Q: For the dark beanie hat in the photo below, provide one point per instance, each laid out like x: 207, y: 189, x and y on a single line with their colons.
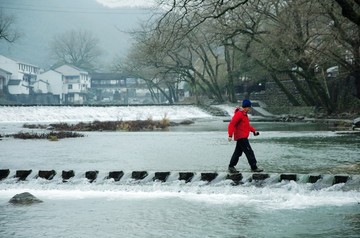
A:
x: 246, y: 103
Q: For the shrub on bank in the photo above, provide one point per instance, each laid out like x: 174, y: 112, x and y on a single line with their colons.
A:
x: 53, y: 136
x: 65, y: 130
x: 138, y: 125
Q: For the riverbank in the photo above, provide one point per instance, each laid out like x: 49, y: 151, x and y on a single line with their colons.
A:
x: 336, y: 121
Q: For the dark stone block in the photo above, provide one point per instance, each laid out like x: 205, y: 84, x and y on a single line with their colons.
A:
x: 288, y: 177
x: 162, y: 176
x: 22, y: 174
x: 116, y: 175
x: 67, y: 174
x: 236, y: 178
x: 47, y: 174
x: 208, y: 176
x: 314, y: 178
x: 258, y: 177
x: 138, y: 175
x: 4, y: 173
x: 187, y: 176
x: 340, y: 179
x: 91, y: 175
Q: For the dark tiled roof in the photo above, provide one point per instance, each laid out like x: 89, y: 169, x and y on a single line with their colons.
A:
x: 107, y: 76
x: 14, y: 82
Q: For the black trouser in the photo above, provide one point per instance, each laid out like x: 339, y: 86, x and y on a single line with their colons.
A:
x: 243, y: 145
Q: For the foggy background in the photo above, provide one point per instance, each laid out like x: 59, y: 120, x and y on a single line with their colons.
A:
x: 38, y: 21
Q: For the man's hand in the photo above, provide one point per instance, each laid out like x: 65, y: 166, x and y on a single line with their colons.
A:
x: 230, y: 138
x: 256, y: 133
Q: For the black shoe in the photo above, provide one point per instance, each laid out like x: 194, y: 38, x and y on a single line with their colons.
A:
x: 257, y: 170
x: 232, y: 170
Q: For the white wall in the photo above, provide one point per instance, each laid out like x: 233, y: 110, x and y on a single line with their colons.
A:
x: 18, y: 89
x: 4, y: 78
x: 55, y: 82
x: 41, y: 86
x: 10, y: 66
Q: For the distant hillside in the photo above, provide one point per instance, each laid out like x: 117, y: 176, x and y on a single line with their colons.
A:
x: 39, y: 20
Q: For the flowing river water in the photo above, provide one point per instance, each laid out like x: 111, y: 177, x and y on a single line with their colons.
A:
x: 147, y: 208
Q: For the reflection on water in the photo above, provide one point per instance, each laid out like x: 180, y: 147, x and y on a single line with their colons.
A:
x: 290, y: 126
x: 338, y: 153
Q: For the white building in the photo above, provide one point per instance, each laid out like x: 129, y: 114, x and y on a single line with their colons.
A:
x: 55, y: 81
x: 23, y: 75
x: 5, y: 77
x: 76, y: 84
x: 23, y: 82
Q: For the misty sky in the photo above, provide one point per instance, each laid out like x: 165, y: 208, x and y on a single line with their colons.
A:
x: 38, y: 21
x: 127, y: 3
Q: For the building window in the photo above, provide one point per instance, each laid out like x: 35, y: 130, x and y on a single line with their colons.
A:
x: 70, y: 86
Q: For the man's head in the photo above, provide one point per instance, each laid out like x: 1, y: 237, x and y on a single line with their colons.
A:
x: 246, y: 103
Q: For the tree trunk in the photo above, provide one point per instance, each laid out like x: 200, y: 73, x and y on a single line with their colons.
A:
x: 307, y: 98
x: 317, y: 89
x: 289, y: 95
x: 230, y: 75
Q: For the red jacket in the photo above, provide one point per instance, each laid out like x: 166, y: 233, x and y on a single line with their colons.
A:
x: 239, y: 125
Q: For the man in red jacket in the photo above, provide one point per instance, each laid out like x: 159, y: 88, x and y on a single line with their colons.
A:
x: 240, y: 128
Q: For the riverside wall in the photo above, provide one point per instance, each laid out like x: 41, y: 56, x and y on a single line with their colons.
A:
x: 275, y: 101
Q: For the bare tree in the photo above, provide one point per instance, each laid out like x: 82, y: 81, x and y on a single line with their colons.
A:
x: 191, y: 14
x: 7, y: 32
x: 304, y: 39
x: 346, y: 32
x: 138, y: 64
x: 194, y: 59
x: 350, y: 10
x: 274, y: 39
x: 234, y: 31
x: 76, y: 47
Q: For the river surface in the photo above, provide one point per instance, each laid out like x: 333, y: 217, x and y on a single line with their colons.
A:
x: 128, y: 208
